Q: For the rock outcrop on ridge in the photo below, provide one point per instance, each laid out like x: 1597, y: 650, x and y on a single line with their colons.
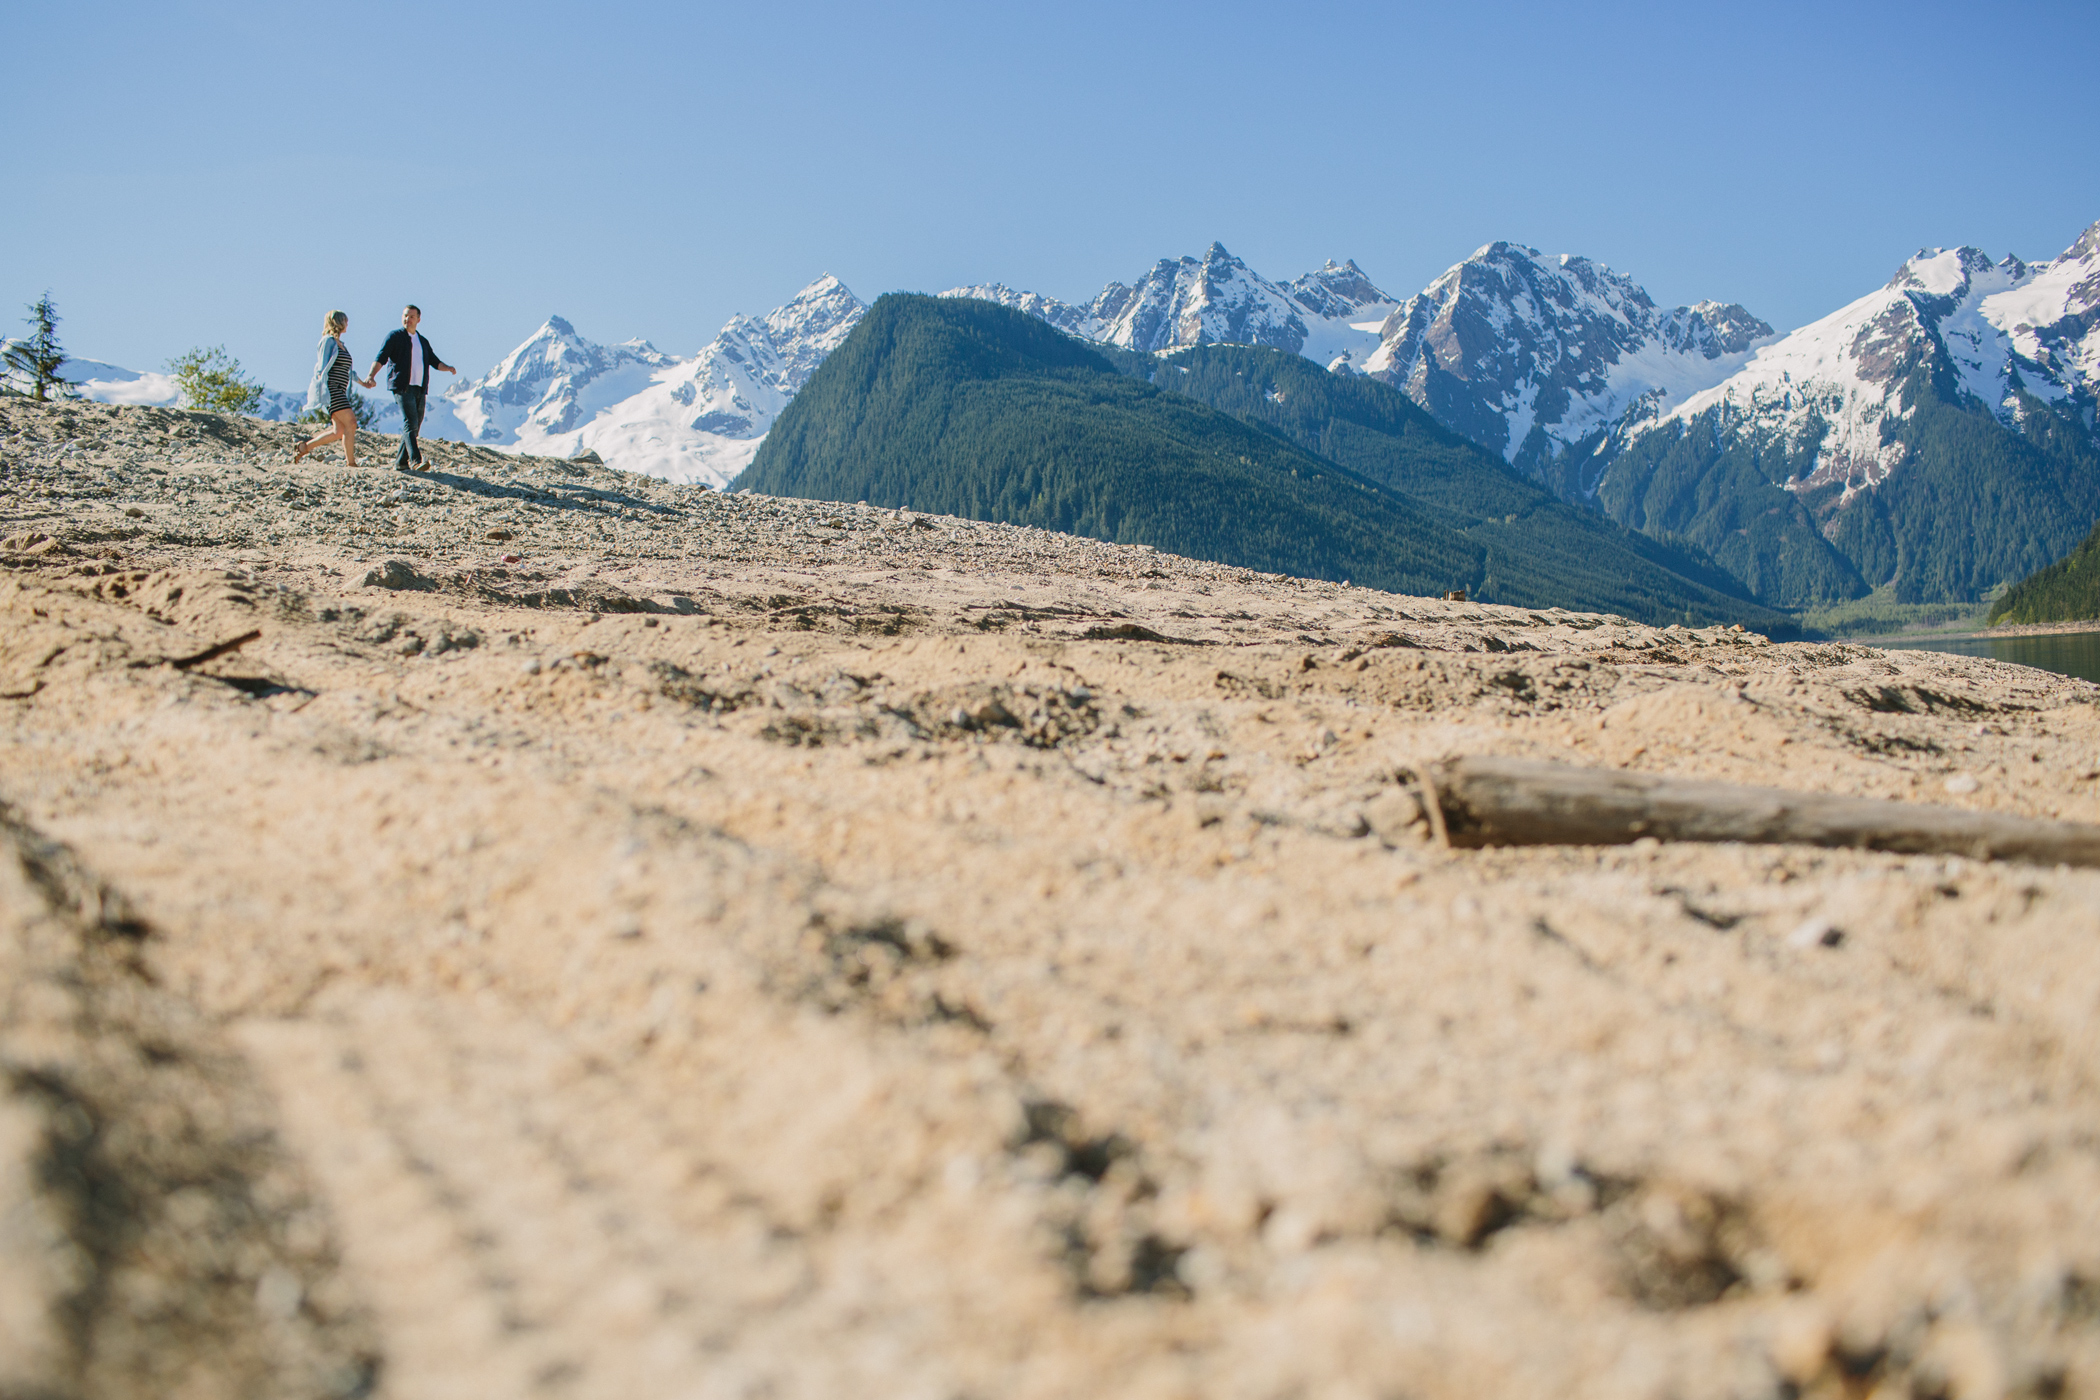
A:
x: 529, y: 929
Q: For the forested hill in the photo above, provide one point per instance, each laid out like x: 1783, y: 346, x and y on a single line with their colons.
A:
x: 2066, y: 591
x: 1971, y: 503
x: 1536, y: 546
x: 963, y: 407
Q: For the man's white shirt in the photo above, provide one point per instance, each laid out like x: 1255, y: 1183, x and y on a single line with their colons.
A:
x: 415, y: 360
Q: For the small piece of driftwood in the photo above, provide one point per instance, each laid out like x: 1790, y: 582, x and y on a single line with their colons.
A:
x: 1488, y: 801
x: 214, y: 651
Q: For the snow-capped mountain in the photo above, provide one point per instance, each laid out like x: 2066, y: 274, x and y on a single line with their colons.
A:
x: 2000, y: 330
x: 1345, y: 315
x: 697, y: 419
x: 1934, y: 438
x: 1196, y: 301
x: 553, y: 383
x: 1331, y: 315
x: 1525, y: 354
x: 1529, y: 355
x: 102, y: 382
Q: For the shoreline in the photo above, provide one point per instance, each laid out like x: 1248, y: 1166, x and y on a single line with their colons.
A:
x: 2023, y: 629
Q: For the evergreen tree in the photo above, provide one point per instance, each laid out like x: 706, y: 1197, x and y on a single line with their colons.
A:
x: 210, y: 380
x: 34, y: 362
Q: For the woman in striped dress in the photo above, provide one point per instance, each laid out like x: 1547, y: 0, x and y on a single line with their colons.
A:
x: 331, y: 389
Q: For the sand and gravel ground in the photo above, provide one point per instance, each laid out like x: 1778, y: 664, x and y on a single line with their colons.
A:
x: 602, y: 938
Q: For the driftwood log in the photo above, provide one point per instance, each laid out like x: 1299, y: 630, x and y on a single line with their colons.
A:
x: 1488, y: 801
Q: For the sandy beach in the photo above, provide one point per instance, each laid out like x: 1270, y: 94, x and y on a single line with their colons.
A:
x: 526, y: 929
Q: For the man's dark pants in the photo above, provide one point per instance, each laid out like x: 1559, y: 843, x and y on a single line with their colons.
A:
x: 411, y: 401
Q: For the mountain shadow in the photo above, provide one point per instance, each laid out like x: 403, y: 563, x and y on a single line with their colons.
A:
x: 967, y: 408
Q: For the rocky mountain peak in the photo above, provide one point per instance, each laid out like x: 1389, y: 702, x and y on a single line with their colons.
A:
x: 1330, y: 315
x: 811, y: 325
x: 1191, y: 301
x: 1529, y: 355
x: 686, y: 419
x: 1336, y: 290
x: 1713, y: 329
x: 1942, y: 271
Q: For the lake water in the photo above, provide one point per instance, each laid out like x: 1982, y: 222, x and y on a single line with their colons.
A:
x: 2066, y: 653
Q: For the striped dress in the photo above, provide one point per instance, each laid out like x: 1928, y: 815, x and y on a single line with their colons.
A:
x: 339, y: 380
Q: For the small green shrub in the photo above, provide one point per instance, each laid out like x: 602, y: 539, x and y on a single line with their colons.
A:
x: 210, y: 380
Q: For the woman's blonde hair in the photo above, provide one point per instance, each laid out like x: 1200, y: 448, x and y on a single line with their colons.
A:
x: 333, y: 323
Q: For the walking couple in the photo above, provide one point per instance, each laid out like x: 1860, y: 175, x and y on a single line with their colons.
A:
x: 411, y: 359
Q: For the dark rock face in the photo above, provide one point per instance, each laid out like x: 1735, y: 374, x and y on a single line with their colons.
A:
x: 1886, y: 341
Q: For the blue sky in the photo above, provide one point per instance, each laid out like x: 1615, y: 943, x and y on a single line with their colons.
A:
x: 224, y: 173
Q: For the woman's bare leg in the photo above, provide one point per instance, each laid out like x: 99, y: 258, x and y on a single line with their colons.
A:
x: 346, y: 428
x: 332, y: 435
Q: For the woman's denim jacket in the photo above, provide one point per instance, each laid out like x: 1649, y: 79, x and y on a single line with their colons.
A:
x: 317, y: 392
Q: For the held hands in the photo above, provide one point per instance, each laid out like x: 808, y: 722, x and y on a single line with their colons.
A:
x: 369, y: 383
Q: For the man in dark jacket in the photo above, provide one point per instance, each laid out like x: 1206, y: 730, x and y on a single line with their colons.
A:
x: 412, y: 360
